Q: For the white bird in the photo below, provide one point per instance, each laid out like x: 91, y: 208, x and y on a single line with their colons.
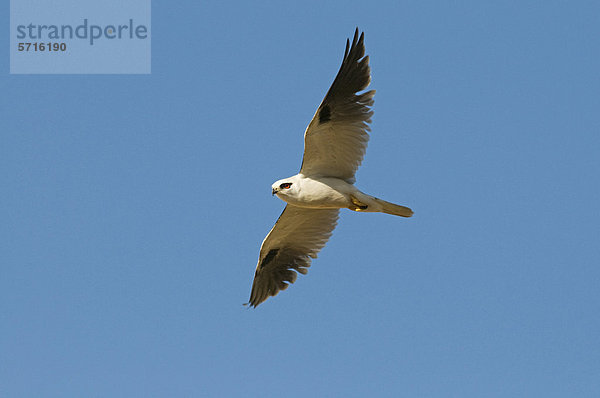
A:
x: 334, y: 145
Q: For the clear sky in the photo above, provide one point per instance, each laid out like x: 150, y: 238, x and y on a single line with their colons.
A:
x: 133, y: 208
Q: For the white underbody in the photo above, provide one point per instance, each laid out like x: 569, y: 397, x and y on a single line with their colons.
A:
x: 323, y: 193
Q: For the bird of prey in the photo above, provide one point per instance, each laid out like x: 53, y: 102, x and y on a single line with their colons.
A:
x: 334, y: 145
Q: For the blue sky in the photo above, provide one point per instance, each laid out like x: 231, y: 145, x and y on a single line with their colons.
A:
x: 133, y: 208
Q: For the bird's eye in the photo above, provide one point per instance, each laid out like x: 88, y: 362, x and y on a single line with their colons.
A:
x: 285, y: 185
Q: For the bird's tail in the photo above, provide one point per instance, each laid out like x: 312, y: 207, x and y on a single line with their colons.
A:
x: 391, y: 208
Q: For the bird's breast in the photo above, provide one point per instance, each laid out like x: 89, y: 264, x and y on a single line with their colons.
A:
x: 322, y: 194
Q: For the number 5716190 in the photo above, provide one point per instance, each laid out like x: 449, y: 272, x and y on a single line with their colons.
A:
x: 42, y: 46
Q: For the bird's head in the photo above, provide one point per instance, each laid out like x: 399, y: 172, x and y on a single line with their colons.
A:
x: 285, y: 187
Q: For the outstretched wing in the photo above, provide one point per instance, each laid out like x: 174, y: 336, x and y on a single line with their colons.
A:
x: 298, y: 235
x: 336, y: 139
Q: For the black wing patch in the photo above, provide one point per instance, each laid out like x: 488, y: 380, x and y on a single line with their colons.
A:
x: 269, y: 257
x: 324, y: 114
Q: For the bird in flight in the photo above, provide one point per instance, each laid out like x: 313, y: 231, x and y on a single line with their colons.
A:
x: 334, y: 145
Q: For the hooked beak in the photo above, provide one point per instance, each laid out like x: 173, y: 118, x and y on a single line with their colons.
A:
x: 274, y: 191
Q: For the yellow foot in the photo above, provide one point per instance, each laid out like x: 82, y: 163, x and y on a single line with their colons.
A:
x: 357, y: 204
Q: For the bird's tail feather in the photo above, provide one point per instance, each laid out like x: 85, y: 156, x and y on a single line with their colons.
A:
x: 391, y: 208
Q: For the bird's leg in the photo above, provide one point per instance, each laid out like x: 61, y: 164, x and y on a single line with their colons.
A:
x: 357, y: 205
